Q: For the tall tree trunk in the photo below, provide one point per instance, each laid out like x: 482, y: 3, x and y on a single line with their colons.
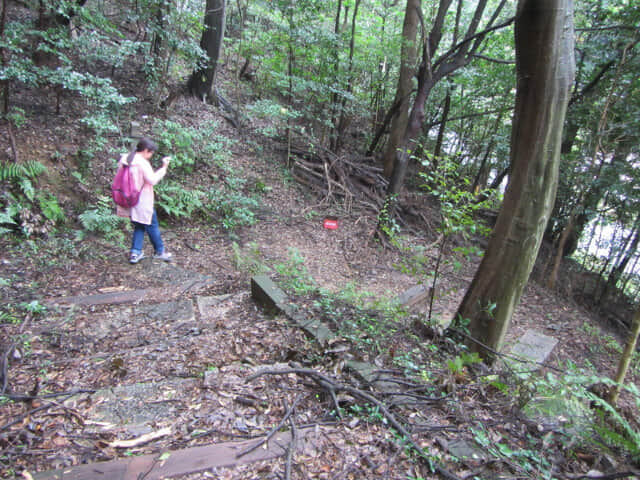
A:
x: 597, y: 154
x: 344, y: 120
x: 545, y: 66
x: 335, y: 97
x: 202, y: 80
x: 4, y: 57
x: 408, y: 58
x: 429, y: 73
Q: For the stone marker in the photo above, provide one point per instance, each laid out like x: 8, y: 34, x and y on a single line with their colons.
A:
x: 135, y: 131
x: 413, y: 296
x: 267, y: 294
x: 469, y: 454
x: 273, y: 300
x: 534, y: 347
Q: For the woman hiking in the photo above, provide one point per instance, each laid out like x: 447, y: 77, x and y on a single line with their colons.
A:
x: 143, y: 215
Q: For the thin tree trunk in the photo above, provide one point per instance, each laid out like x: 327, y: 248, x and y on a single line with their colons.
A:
x: 4, y: 57
x: 625, y: 359
x: 544, y: 53
x: 343, y: 122
x: 625, y: 256
x: 408, y: 58
x: 437, y: 150
x: 335, y: 98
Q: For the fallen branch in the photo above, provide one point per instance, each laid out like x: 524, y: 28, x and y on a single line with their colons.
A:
x: 24, y: 398
x: 272, y: 432
x: 4, y: 368
x: 607, y: 476
x: 332, y: 386
x: 147, y: 437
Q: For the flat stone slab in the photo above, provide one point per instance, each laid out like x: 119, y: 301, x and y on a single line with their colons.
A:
x: 369, y: 373
x: 466, y: 452
x: 133, y: 325
x: 180, y: 462
x: 111, y: 298
x: 534, y: 347
x: 312, y: 327
x: 213, y: 307
x: 169, y: 272
x: 181, y: 279
x: 413, y: 296
x: 138, y: 409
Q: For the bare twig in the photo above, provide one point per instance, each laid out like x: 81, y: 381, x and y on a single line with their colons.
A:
x: 23, y: 398
x: 333, y: 386
x: 273, y: 431
x: 4, y: 370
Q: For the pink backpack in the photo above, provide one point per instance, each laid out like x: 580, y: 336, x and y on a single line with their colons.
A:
x: 123, y: 188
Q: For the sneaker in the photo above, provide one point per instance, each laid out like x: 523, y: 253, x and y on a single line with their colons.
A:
x: 166, y: 256
x: 136, y: 257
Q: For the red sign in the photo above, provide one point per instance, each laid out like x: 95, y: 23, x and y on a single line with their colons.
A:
x: 330, y: 223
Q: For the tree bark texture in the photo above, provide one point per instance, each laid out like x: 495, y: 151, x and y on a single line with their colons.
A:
x: 627, y: 355
x: 202, y: 79
x: 408, y: 58
x: 545, y: 66
x: 401, y: 144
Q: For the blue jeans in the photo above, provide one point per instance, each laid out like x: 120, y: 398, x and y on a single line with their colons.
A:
x: 152, y: 230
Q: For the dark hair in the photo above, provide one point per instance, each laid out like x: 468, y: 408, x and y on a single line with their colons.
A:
x: 146, y: 144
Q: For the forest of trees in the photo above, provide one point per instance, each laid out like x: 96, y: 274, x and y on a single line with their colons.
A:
x: 410, y: 88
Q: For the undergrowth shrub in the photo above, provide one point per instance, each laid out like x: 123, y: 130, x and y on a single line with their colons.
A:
x: 101, y: 218
x: 25, y: 207
x: 234, y: 208
x: 178, y: 201
x: 583, y: 415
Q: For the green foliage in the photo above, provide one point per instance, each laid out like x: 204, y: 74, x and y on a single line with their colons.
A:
x: 50, y: 208
x: 177, y: 201
x: 101, y: 219
x: 529, y: 462
x: 248, y: 259
x: 386, y: 220
x: 458, y: 363
x: 273, y: 117
x: 583, y: 414
x: 614, y: 429
x: 27, y: 206
x: 234, y: 207
x: 184, y: 143
x: 364, y: 323
x: 296, y: 276
x: 17, y: 172
x: 458, y: 204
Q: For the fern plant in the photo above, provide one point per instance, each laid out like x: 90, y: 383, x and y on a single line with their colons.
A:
x: 177, y: 201
x: 14, y: 172
x: 614, y: 429
x: 102, y: 219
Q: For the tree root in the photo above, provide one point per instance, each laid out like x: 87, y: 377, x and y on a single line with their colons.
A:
x: 334, y: 387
